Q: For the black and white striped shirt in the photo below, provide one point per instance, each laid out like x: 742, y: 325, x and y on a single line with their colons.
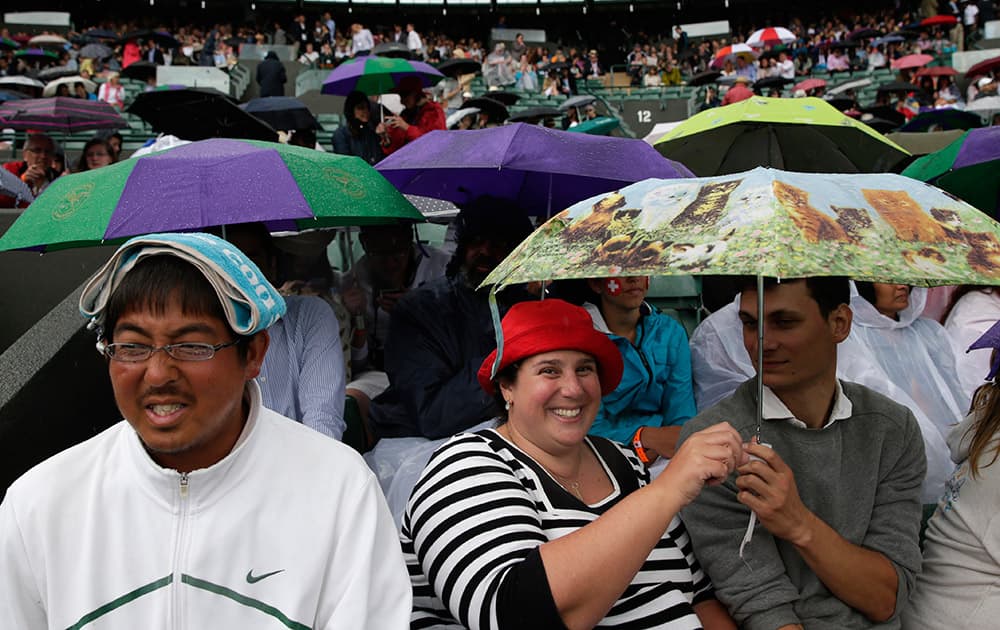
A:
x: 480, y: 511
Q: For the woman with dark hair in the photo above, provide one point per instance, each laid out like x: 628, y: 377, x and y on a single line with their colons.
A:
x: 357, y: 135
x: 96, y: 153
x: 535, y: 524
x: 957, y: 585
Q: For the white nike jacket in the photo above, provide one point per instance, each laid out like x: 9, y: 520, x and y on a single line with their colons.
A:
x: 290, y: 530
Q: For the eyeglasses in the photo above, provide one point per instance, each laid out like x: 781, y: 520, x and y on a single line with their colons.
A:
x: 139, y: 352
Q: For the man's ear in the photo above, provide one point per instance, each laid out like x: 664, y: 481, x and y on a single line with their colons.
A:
x: 595, y: 284
x: 256, y: 349
x: 840, y: 320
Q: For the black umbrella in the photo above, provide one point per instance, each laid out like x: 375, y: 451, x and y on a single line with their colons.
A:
x: 842, y: 103
x: 101, y: 33
x: 96, y: 51
x: 534, y: 114
x: 139, y: 70
x: 771, y: 82
x: 458, y: 67
x: 392, y: 49
x: 199, y: 114
x: 898, y: 86
x: 864, y: 33
x: 880, y: 125
x: 884, y: 112
x: 282, y: 112
x: 160, y: 37
x: 905, y: 34
x: 577, y: 101
x: 57, y: 72
x: 704, y: 78
x: 496, y: 110
x: 507, y: 98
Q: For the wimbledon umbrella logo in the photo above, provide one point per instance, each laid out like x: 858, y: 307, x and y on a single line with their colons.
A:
x: 351, y: 186
x: 72, y: 201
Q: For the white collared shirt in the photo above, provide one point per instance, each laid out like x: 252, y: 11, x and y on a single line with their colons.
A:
x: 774, y: 409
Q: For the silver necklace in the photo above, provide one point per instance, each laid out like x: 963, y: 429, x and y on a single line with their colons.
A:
x: 568, y: 483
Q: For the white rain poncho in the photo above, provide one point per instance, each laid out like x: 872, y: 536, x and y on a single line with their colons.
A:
x: 906, y: 362
x: 972, y: 315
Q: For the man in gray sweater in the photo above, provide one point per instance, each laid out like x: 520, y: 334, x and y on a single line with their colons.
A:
x: 836, y: 495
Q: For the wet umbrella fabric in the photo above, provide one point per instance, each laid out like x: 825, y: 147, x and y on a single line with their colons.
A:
x: 282, y: 112
x: 8, y: 44
x: 57, y: 72
x: 140, y: 70
x: 376, y: 75
x: 600, y: 126
x: 53, y: 86
x: 534, y: 114
x: 59, y: 114
x: 540, y: 169
x: 392, y: 49
x: 983, y: 68
x: 12, y: 186
x: 943, y: 119
x: 766, y: 222
x: 457, y: 67
x: 21, y: 81
x: 805, y: 134
x: 37, y: 54
x: 96, y: 51
x: 704, y: 78
x: 199, y: 114
x: 209, y: 183
x: 968, y: 167
x: 577, y: 101
x: 911, y: 61
x: 497, y: 111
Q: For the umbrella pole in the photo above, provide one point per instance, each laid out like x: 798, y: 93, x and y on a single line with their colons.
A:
x: 760, y: 355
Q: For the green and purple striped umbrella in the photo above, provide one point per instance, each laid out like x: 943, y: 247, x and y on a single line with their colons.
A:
x: 377, y: 75
x: 969, y: 168
x: 209, y: 183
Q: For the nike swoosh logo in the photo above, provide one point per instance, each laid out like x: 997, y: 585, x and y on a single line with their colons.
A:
x: 253, y: 579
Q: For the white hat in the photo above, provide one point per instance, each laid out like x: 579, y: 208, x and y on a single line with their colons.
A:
x: 983, y: 82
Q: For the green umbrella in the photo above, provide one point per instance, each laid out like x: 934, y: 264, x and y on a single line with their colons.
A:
x: 882, y: 228
x: 968, y: 167
x: 208, y: 183
x: 600, y: 126
x: 802, y: 134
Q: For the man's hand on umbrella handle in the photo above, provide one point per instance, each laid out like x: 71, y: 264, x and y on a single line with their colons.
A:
x: 767, y: 486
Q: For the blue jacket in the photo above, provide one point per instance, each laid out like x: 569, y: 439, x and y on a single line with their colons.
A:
x: 655, y: 389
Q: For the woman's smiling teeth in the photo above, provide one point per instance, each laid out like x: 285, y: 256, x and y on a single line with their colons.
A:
x: 567, y: 413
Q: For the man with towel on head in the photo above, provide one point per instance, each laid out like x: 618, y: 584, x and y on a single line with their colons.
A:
x: 202, y: 507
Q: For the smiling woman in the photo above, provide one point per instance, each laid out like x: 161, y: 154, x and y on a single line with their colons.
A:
x: 578, y: 535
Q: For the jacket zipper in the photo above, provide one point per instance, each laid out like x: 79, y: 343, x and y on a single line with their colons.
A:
x: 178, y: 548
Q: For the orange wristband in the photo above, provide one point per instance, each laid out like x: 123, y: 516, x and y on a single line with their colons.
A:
x: 637, y: 446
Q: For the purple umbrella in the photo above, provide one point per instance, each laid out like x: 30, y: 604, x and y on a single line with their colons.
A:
x: 61, y: 114
x: 542, y: 170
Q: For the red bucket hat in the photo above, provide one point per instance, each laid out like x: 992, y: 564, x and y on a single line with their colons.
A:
x: 534, y: 327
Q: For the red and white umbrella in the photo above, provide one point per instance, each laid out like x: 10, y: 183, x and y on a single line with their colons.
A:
x: 771, y: 36
x: 730, y: 53
x: 911, y: 61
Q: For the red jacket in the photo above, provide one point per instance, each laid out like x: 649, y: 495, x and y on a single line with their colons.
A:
x: 424, y: 118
